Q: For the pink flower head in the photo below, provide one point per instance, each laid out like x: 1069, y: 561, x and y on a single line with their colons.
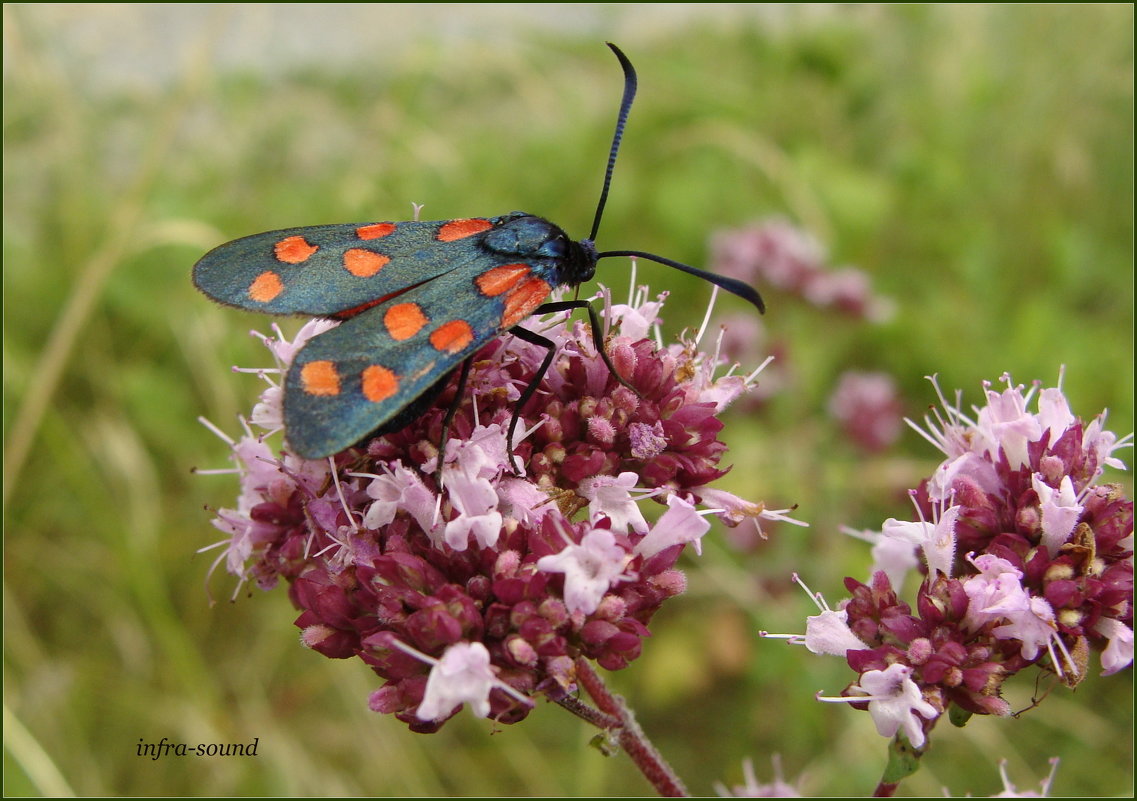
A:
x: 441, y: 585
x: 868, y: 408
x: 778, y: 253
x: 1027, y: 561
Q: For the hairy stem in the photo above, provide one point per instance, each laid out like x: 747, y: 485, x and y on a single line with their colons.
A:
x: 613, y: 716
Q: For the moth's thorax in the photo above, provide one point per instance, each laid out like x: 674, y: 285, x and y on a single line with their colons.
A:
x: 536, y: 239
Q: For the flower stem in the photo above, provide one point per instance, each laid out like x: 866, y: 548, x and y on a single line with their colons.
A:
x: 903, y: 761
x: 589, y: 713
x: 885, y: 790
x: 614, y: 717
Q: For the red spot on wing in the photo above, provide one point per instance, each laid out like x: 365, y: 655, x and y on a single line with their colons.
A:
x: 293, y: 250
x: 522, y: 300
x: 452, y: 336
x: 379, y: 383
x: 375, y: 231
x: 265, y: 287
x: 320, y: 378
x: 501, y: 279
x: 404, y: 320
x: 364, y: 263
x: 460, y: 229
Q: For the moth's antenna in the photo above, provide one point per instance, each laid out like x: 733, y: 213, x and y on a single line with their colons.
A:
x: 621, y: 120
x: 731, y: 285
x: 735, y: 287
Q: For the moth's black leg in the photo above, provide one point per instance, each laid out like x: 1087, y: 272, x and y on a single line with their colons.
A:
x: 536, y: 339
x: 551, y: 349
x: 459, y: 393
x: 597, y: 336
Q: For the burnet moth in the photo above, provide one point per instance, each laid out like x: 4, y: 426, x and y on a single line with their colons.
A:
x: 416, y: 300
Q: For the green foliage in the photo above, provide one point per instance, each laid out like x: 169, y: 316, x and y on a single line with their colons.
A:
x: 977, y: 162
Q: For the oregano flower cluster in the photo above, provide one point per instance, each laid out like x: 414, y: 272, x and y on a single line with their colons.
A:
x: 1026, y: 560
x: 459, y: 581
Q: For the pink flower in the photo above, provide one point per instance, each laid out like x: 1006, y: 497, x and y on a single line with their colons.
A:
x: 1010, y: 791
x: 893, y: 556
x: 829, y: 633
x: 936, y: 540
x: 679, y: 525
x: 994, y: 593
x: 894, y: 701
x: 611, y: 496
x: 398, y: 490
x: 1118, y: 654
x: 590, y: 568
x: 475, y: 500
x: 462, y: 676
x: 751, y: 788
x: 826, y: 633
x: 1005, y: 425
x: 1060, y: 511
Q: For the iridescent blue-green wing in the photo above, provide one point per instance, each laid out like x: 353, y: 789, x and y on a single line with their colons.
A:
x: 337, y: 270
x: 351, y: 380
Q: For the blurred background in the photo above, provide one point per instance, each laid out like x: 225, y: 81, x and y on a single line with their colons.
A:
x: 953, y: 186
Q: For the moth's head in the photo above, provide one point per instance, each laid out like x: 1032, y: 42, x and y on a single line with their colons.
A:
x: 582, y: 261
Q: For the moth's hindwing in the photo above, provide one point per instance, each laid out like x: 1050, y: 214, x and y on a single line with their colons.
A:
x: 349, y: 381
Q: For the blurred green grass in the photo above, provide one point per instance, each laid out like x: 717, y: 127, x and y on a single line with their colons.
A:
x: 977, y: 162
